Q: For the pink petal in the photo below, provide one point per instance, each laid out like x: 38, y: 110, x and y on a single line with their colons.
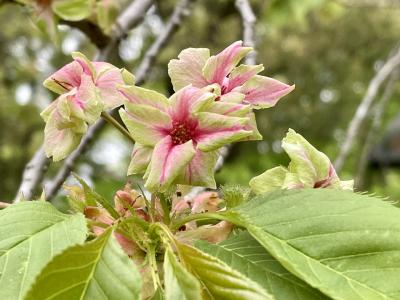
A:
x: 220, y: 65
x: 187, y: 69
x: 65, y: 79
x: 138, y: 95
x: 107, y: 80
x: 167, y: 162
x: 264, y: 92
x: 241, y: 74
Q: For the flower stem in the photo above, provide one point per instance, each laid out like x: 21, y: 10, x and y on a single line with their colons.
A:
x: 106, y: 116
x: 203, y: 216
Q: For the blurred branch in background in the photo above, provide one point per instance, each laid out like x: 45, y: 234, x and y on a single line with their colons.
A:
x: 35, y: 169
x: 373, y: 133
x: 363, y: 108
x: 181, y: 10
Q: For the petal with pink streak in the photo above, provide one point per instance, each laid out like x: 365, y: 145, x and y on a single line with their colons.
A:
x: 200, y: 170
x: 264, y: 92
x: 219, y: 66
x: 65, y: 79
x: 167, y: 162
x: 138, y: 95
x: 146, y: 124
x: 187, y: 101
x: 187, y: 69
x: 140, y: 159
x: 242, y: 74
x: 109, y: 77
x: 216, y: 130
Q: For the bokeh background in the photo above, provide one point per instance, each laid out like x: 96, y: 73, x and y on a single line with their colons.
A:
x: 330, y: 49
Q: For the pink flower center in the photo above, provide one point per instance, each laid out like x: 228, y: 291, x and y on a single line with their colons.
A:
x: 181, y: 132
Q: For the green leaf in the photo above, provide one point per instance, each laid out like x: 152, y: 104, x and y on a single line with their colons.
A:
x: 107, y: 12
x: 179, y: 283
x: 245, y: 255
x: 72, y: 10
x: 96, y: 270
x: 220, y: 280
x: 31, y: 233
x: 347, y: 245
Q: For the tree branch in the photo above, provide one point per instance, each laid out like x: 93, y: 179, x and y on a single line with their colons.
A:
x: 362, y: 109
x: 373, y: 132
x: 172, y: 24
x: 35, y: 169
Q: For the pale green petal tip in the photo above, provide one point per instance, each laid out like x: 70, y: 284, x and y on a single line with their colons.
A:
x: 268, y: 181
x: 128, y: 77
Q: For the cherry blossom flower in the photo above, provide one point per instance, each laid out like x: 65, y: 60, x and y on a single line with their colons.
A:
x: 86, y: 89
x: 309, y: 168
x: 177, y: 139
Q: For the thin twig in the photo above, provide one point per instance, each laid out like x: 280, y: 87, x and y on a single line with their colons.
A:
x: 362, y: 109
x: 110, y: 119
x: 174, y: 21
x: 373, y: 132
x: 36, y: 168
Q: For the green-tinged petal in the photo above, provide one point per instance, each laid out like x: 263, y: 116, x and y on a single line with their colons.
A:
x: 268, y: 181
x: 146, y: 124
x: 87, y: 100
x: 106, y: 13
x: 128, y: 77
x: 347, y: 185
x: 232, y: 97
x: 72, y: 10
x: 188, y: 101
x: 228, y: 109
x: 264, y: 92
x: 167, y: 163
x: 45, y: 114
x: 85, y: 63
x: 138, y: 95
x: 59, y: 143
x: 252, y: 126
x: 219, y: 66
x: 65, y: 79
x: 242, y: 74
x: 200, y: 170
x: 292, y: 181
x: 307, y: 162
x: 187, y: 69
x: 140, y: 159
x: 217, y: 130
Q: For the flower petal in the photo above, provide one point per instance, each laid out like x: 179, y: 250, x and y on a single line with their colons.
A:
x: 219, y: 66
x: 241, y: 74
x: 86, y: 64
x: 232, y: 97
x: 108, y: 78
x: 59, y: 143
x: 65, y: 79
x: 187, y: 69
x: 252, y: 126
x: 268, y: 181
x: 87, y: 99
x: 138, y: 95
x: 217, y: 130
x: 188, y: 101
x: 264, y: 92
x: 140, y: 159
x: 307, y: 162
x: 200, y: 170
x: 146, y: 124
x: 167, y: 162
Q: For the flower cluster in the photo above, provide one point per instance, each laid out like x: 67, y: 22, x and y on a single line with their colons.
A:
x: 85, y: 89
x: 177, y: 138
x: 309, y: 168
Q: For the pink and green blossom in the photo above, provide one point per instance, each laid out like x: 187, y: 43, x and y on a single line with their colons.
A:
x: 309, y: 168
x: 231, y: 83
x: 177, y: 139
x: 86, y: 89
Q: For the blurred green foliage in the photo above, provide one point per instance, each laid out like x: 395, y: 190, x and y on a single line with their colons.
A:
x: 329, y: 50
